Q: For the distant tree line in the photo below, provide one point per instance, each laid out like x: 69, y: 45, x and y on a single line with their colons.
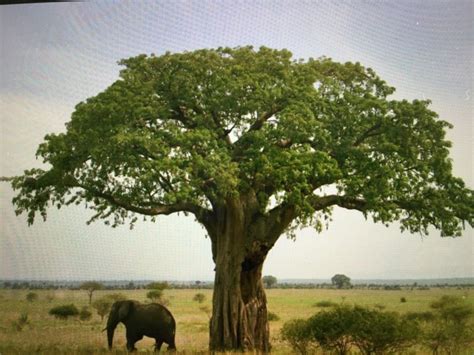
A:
x: 131, y: 285
x: 389, y: 287
x: 104, y: 285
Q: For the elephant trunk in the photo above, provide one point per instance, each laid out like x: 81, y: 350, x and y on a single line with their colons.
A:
x: 110, y: 332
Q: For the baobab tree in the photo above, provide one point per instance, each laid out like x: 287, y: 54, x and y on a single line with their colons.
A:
x: 254, y: 144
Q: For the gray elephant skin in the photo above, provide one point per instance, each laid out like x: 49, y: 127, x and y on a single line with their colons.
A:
x: 151, y: 320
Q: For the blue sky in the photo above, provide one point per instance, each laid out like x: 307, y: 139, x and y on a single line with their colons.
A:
x: 56, y: 55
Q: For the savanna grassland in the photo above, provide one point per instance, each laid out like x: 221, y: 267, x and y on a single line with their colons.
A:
x: 45, y: 334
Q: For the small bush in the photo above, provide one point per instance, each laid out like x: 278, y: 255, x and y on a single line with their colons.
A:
x: 85, y: 314
x: 332, y: 329
x: 377, y: 332
x: 199, y: 297
x: 325, y: 304
x: 372, y: 331
x: 154, y: 295
x: 403, y: 299
x: 449, y: 330
x: 272, y: 317
x: 65, y: 311
x: 31, y: 297
x: 297, y: 333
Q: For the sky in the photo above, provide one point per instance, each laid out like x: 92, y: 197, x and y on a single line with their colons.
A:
x: 55, y: 55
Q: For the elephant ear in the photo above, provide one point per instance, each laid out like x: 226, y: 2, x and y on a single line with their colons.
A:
x: 125, y: 309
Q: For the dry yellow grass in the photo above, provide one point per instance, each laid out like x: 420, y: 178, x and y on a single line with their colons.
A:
x: 47, y: 335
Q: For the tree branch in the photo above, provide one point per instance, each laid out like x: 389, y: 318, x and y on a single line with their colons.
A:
x: 351, y: 203
x: 153, y: 210
x: 181, y: 116
x: 371, y: 132
x: 270, y: 226
x: 263, y: 118
x: 225, y: 133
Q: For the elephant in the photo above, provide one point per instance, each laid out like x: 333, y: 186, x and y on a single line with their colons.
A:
x: 151, y: 320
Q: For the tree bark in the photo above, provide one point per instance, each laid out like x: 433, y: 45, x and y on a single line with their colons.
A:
x: 239, y: 314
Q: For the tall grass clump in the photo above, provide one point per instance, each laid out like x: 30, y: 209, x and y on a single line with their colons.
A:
x: 21, y: 322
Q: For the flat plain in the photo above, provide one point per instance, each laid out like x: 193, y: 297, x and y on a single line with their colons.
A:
x: 45, y: 334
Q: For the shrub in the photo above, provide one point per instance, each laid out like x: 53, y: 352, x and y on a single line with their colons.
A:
x: 297, y: 333
x: 371, y: 330
x: 85, y: 314
x: 31, y: 297
x: 452, y: 308
x: 199, y: 297
x: 154, y: 295
x: 272, y: 317
x: 376, y: 332
x: 325, y: 304
x: 448, y: 330
x: 403, y: 299
x: 65, y: 311
x: 332, y: 329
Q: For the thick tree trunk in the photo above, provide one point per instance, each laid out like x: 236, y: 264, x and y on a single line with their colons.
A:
x: 239, y: 315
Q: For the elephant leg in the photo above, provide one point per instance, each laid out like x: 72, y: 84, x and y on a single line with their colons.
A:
x: 131, y: 345
x: 158, y: 345
x: 171, y: 345
x: 131, y: 340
